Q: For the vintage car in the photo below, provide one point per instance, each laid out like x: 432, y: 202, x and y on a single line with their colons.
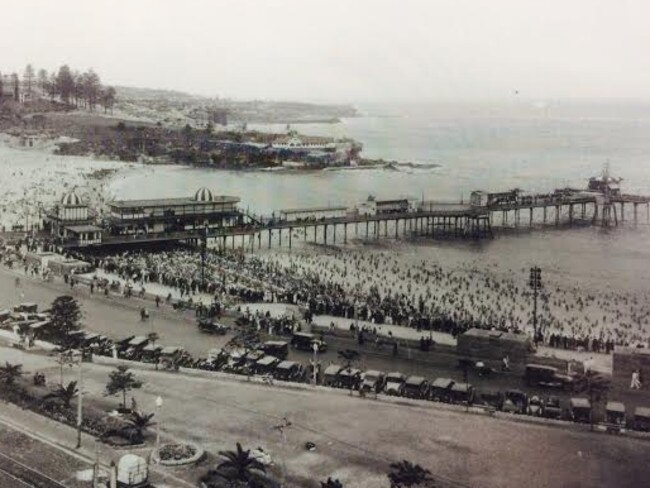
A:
x: 552, y: 408
x: 349, y: 378
x: 441, y: 390
x: 548, y: 376
x: 289, y: 371
x: 642, y: 419
x: 462, y: 393
x: 492, y: 399
x: 394, y: 384
x: 416, y: 387
x: 535, y: 406
x: 580, y: 410
x: 615, y: 416
x: 514, y: 401
x: 172, y: 357
x: 265, y: 366
x: 304, y: 341
x: 212, y: 327
x: 279, y: 349
x: 331, y: 375
x: 373, y: 381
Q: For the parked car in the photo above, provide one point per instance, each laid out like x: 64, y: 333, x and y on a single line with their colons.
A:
x: 462, y: 393
x: 615, y: 416
x: 304, y: 341
x: 552, y: 409
x: 373, y: 381
x: 514, y: 401
x: 349, y: 378
x: 441, y: 390
x: 279, y: 349
x: 289, y: 371
x: 331, y: 375
x: 172, y: 357
x: 642, y: 419
x: 580, y: 410
x: 490, y: 398
x: 416, y: 387
x: 394, y: 384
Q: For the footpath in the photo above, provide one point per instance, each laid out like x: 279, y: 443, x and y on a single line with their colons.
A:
x: 64, y: 438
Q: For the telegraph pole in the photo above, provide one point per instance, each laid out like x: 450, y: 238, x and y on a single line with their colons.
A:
x: 79, y: 359
x: 204, y: 246
x: 535, y: 282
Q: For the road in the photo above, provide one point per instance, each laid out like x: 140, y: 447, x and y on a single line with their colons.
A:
x: 357, y: 438
x: 118, y: 317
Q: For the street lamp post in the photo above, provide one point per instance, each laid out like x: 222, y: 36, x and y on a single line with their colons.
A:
x: 204, y: 246
x: 314, y: 375
x: 535, y: 282
x: 79, y: 358
x: 159, y: 404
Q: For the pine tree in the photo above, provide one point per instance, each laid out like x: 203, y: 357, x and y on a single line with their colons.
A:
x: 28, y: 77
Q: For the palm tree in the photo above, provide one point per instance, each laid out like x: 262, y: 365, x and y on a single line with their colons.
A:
x: 331, y: 483
x: 406, y: 475
x: 140, y: 421
x: 238, y: 466
x: 64, y: 393
x: 11, y: 372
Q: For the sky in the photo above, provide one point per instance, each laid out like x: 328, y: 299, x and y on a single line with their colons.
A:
x: 342, y: 50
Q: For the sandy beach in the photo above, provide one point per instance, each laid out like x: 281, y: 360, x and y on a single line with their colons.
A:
x: 33, y: 179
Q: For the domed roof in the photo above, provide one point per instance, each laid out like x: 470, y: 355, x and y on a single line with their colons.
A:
x: 203, y: 195
x: 71, y: 198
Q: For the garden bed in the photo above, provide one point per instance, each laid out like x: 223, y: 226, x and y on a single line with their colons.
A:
x: 178, y: 454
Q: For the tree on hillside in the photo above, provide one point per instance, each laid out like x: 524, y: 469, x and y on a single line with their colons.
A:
x: 78, y: 87
x: 65, y: 316
x: 28, y: 77
x: 16, y: 86
x: 91, y: 89
x: 122, y: 381
x: 65, y: 84
x: 188, y: 135
x: 42, y: 80
x: 108, y: 99
x: 51, y: 87
x: 9, y: 373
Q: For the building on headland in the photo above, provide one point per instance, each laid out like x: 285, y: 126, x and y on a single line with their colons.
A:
x: 168, y: 215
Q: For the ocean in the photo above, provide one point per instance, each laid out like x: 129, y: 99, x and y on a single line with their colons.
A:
x: 454, y: 149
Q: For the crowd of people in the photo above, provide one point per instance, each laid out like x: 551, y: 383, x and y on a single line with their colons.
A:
x: 381, y: 288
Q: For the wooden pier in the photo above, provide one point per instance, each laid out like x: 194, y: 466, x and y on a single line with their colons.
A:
x: 431, y: 220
